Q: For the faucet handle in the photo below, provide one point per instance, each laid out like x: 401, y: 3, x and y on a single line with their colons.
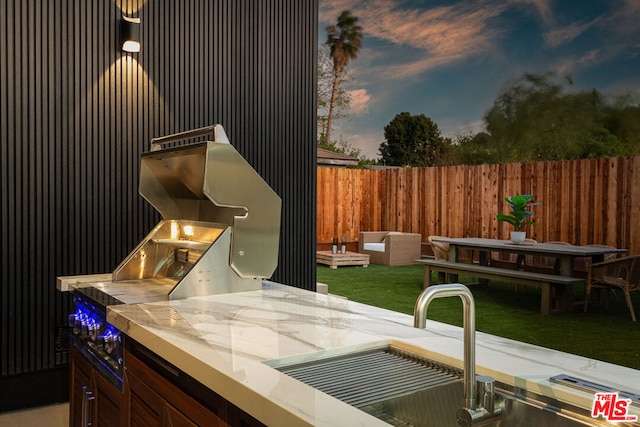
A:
x: 467, y: 417
x: 486, y: 403
x: 486, y: 388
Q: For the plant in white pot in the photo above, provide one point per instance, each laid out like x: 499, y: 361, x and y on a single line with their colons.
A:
x: 519, y: 215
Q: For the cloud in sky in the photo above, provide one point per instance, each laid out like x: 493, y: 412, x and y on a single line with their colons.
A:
x: 627, y: 17
x: 367, y: 143
x: 359, y: 101
x: 568, y: 33
x: 621, y: 28
x: 450, y: 30
x: 439, y: 35
x: 542, y: 7
x: 406, y: 70
x: 448, y: 59
x: 589, y: 58
x: 443, y: 35
x: 417, y: 38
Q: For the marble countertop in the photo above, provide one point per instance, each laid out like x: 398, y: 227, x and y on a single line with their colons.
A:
x: 224, y: 340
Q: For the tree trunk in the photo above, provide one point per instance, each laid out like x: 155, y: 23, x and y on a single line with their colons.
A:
x: 334, y: 92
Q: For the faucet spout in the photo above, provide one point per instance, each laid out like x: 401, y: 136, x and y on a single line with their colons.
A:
x: 469, y: 326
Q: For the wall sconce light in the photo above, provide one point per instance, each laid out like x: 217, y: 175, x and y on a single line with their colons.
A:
x: 130, y: 34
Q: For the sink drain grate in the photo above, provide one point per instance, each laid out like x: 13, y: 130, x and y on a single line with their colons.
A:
x: 371, y: 377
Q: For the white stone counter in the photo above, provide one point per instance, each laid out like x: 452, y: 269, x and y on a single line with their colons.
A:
x: 223, y: 340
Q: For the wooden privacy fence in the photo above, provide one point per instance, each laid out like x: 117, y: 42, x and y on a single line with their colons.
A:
x: 583, y: 202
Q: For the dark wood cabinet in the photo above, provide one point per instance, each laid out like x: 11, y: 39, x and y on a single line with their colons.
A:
x: 94, y: 400
x: 156, y: 401
x: 155, y: 394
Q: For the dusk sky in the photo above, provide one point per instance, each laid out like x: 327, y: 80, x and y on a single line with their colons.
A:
x: 450, y: 59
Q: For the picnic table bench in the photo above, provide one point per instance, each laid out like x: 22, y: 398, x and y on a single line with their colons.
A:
x: 556, y: 289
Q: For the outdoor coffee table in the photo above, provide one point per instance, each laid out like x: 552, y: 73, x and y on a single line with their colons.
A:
x: 338, y: 260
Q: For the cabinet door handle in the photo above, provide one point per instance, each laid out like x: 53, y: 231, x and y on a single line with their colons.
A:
x: 87, y: 407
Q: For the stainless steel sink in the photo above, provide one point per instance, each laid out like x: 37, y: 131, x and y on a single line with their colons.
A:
x: 405, y: 389
x: 369, y: 377
x: 438, y: 407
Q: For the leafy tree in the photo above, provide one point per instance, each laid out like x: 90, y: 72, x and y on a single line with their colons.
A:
x: 342, y: 147
x: 413, y: 141
x: 473, y: 149
x: 534, y: 119
x: 344, y: 40
x: 623, y: 120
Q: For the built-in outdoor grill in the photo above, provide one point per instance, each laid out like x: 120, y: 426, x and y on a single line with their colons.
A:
x: 219, y: 233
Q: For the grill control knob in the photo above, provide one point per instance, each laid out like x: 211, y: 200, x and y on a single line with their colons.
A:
x: 111, y: 342
x: 94, y: 330
x: 85, y: 323
x: 75, y: 321
x: 117, y: 347
x: 72, y: 319
x: 104, y: 340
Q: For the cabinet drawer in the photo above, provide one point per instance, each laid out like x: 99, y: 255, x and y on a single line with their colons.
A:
x: 158, y: 398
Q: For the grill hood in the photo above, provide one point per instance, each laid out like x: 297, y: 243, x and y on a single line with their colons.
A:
x: 220, y: 223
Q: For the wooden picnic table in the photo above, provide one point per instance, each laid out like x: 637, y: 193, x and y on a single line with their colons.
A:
x: 557, y: 289
x: 566, y: 253
x: 554, y: 297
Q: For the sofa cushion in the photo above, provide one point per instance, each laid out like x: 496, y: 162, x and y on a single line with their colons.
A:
x: 376, y: 247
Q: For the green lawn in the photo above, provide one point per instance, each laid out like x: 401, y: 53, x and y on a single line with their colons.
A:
x: 603, y: 334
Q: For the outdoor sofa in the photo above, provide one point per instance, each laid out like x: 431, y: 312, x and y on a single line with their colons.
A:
x: 390, y: 247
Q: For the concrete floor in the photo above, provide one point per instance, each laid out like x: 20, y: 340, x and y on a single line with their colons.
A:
x: 44, y: 416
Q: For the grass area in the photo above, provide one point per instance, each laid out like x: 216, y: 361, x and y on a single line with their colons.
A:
x: 602, y: 334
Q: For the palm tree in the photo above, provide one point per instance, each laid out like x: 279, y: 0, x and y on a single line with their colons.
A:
x: 344, y: 41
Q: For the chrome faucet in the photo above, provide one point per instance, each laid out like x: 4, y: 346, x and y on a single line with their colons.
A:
x: 471, y: 412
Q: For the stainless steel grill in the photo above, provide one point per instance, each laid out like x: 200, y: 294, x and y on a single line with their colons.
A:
x: 219, y: 233
x: 218, y: 214
x: 220, y: 224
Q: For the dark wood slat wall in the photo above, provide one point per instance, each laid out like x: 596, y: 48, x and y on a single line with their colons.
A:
x: 76, y: 113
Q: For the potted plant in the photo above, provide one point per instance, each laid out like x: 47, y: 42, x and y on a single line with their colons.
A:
x: 519, y: 215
